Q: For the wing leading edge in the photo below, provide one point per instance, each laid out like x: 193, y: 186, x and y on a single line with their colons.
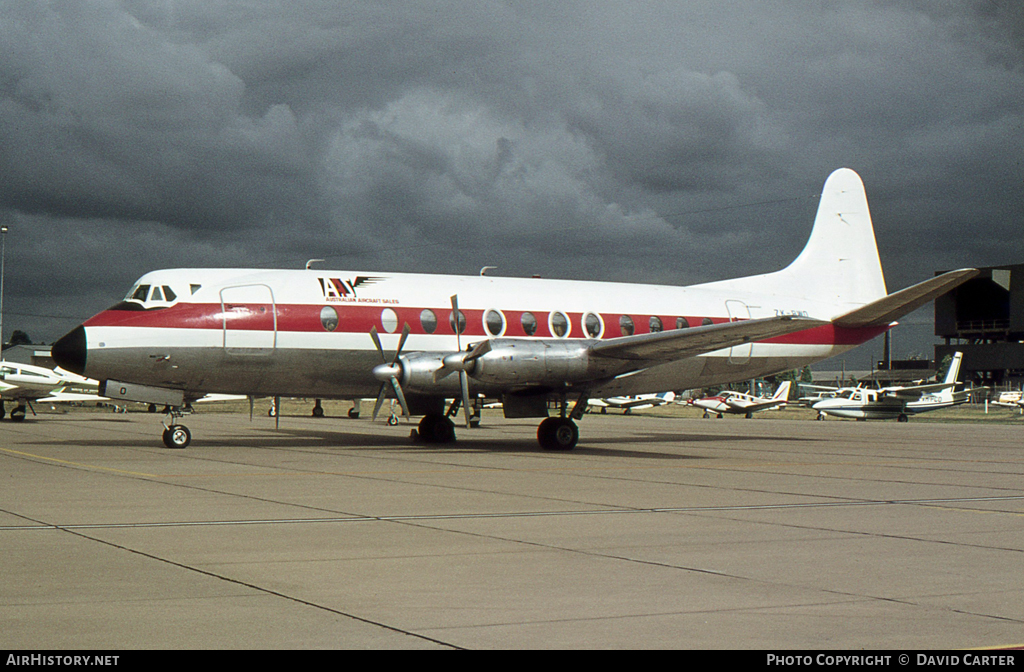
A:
x: 683, y: 343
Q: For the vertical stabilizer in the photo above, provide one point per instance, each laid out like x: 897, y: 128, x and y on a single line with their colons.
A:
x: 839, y: 267
x: 783, y: 392
x: 840, y: 262
x: 954, y: 369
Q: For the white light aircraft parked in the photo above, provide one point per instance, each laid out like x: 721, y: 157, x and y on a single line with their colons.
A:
x: 1011, y: 399
x: 729, y: 401
x: 25, y: 383
x: 895, y: 402
x: 182, y: 333
x: 628, y: 404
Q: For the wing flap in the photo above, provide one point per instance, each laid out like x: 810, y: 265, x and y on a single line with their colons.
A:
x: 683, y: 343
x: 894, y: 306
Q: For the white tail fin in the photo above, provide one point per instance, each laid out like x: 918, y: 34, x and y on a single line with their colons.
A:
x: 954, y: 368
x: 839, y: 266
x: 840, y: 262
x: 782, y: 393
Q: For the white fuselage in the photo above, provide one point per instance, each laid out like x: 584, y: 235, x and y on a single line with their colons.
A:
x: 306, y: 333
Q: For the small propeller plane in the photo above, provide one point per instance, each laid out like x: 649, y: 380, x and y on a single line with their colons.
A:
x: 895, y: 402
x: 630, y: 403
x: 25, y: 383
x: 182, y: 333
x: 729, y: 401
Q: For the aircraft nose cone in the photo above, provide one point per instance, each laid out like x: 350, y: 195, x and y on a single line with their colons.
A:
x: 69, y: 352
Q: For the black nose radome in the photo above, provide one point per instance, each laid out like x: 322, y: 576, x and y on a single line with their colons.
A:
x: 69, y: 352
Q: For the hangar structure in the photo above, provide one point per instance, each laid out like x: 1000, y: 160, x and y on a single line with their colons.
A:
x: 984, y: 319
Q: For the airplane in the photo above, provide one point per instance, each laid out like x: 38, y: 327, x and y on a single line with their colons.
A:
x: 895, y: 402
x: 631, y: 403
x: 729, y: 401
x: 182, y: 333
x: 25, y: 383
x: 1011, y: 399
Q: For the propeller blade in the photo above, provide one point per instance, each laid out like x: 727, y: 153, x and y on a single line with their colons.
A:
x: 380, y: 401
x: 464, y: 382
x: 401, y: 341
x: 458, y: 322
x: 401, y: 397
x: 376, y: 342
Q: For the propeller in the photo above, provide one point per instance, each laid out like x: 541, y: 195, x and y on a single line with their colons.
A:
x: 388, y: 373
x: 463, y: 376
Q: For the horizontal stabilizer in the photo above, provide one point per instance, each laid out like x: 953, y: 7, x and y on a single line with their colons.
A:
x: 682, y: 343
x: 894, y: 306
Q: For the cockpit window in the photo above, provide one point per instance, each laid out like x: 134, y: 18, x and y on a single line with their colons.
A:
x: 157, y: 294
x: 168, y: 294
x: 140, y: 293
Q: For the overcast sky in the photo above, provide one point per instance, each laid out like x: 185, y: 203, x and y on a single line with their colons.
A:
x: 672, y: 141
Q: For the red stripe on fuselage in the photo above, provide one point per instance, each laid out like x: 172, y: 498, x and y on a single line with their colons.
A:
x: 361, y: 318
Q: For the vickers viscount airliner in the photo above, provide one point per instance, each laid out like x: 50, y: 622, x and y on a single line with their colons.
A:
x: 179, y: 334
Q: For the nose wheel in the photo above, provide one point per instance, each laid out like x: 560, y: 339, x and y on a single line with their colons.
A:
x: 177, y: 436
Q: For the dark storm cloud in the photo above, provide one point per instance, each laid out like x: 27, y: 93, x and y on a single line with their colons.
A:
x: 659, y: 141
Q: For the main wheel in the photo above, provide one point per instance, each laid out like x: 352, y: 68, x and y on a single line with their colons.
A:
x: 18, y: 413
x: 436, y: 429
x: 558, y: 434
x: 177, y: 436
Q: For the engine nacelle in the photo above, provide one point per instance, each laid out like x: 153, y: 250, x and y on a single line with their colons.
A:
x: 512, y: 362
x: 418, y: 369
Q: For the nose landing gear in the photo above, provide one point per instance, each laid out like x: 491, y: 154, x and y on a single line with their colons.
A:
x: 176, y: 436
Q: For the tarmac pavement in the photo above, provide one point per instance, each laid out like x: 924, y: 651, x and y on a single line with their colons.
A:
x: 656, y: 532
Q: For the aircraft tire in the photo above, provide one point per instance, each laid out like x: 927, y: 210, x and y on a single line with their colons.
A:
x: 902, y: 417
x: 18, y: 414
x: 436, y: 429
x: 177, y: 437
x: 558, y: 434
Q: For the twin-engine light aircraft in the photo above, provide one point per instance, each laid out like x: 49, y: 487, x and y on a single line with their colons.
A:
x: 180, y: 334
x: 25, y: 383
x: 630, y: 403
x: 898, y: 402
x: 742, y: 403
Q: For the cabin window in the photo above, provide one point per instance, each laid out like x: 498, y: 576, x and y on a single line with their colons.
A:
x: 626, y: 325
x: 428, y: 320
x: 706, y: 322
x: 389, y: 320
x: 655, y: 324
x: 494, y: 322
x: 529, y: 323
x: 592, y: 325
x: 461, y: 317
x: 682, y: 323
x: 329, y: 318
x: 559, y: 324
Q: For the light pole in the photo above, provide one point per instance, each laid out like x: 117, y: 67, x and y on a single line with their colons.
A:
x: 3, y: 257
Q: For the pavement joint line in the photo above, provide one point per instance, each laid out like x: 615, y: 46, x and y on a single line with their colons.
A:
x: 522, y: 514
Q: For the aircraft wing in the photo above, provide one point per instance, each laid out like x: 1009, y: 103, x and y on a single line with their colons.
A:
x: 61, y: 396
x: 753, y: 407
x: 683, y: 343
x: 917, y: 391
x: 894, y: 306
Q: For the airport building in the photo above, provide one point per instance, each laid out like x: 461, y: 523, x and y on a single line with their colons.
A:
x: 984, y: 319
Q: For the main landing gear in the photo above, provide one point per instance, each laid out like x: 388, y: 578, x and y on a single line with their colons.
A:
x: 558, y: 433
